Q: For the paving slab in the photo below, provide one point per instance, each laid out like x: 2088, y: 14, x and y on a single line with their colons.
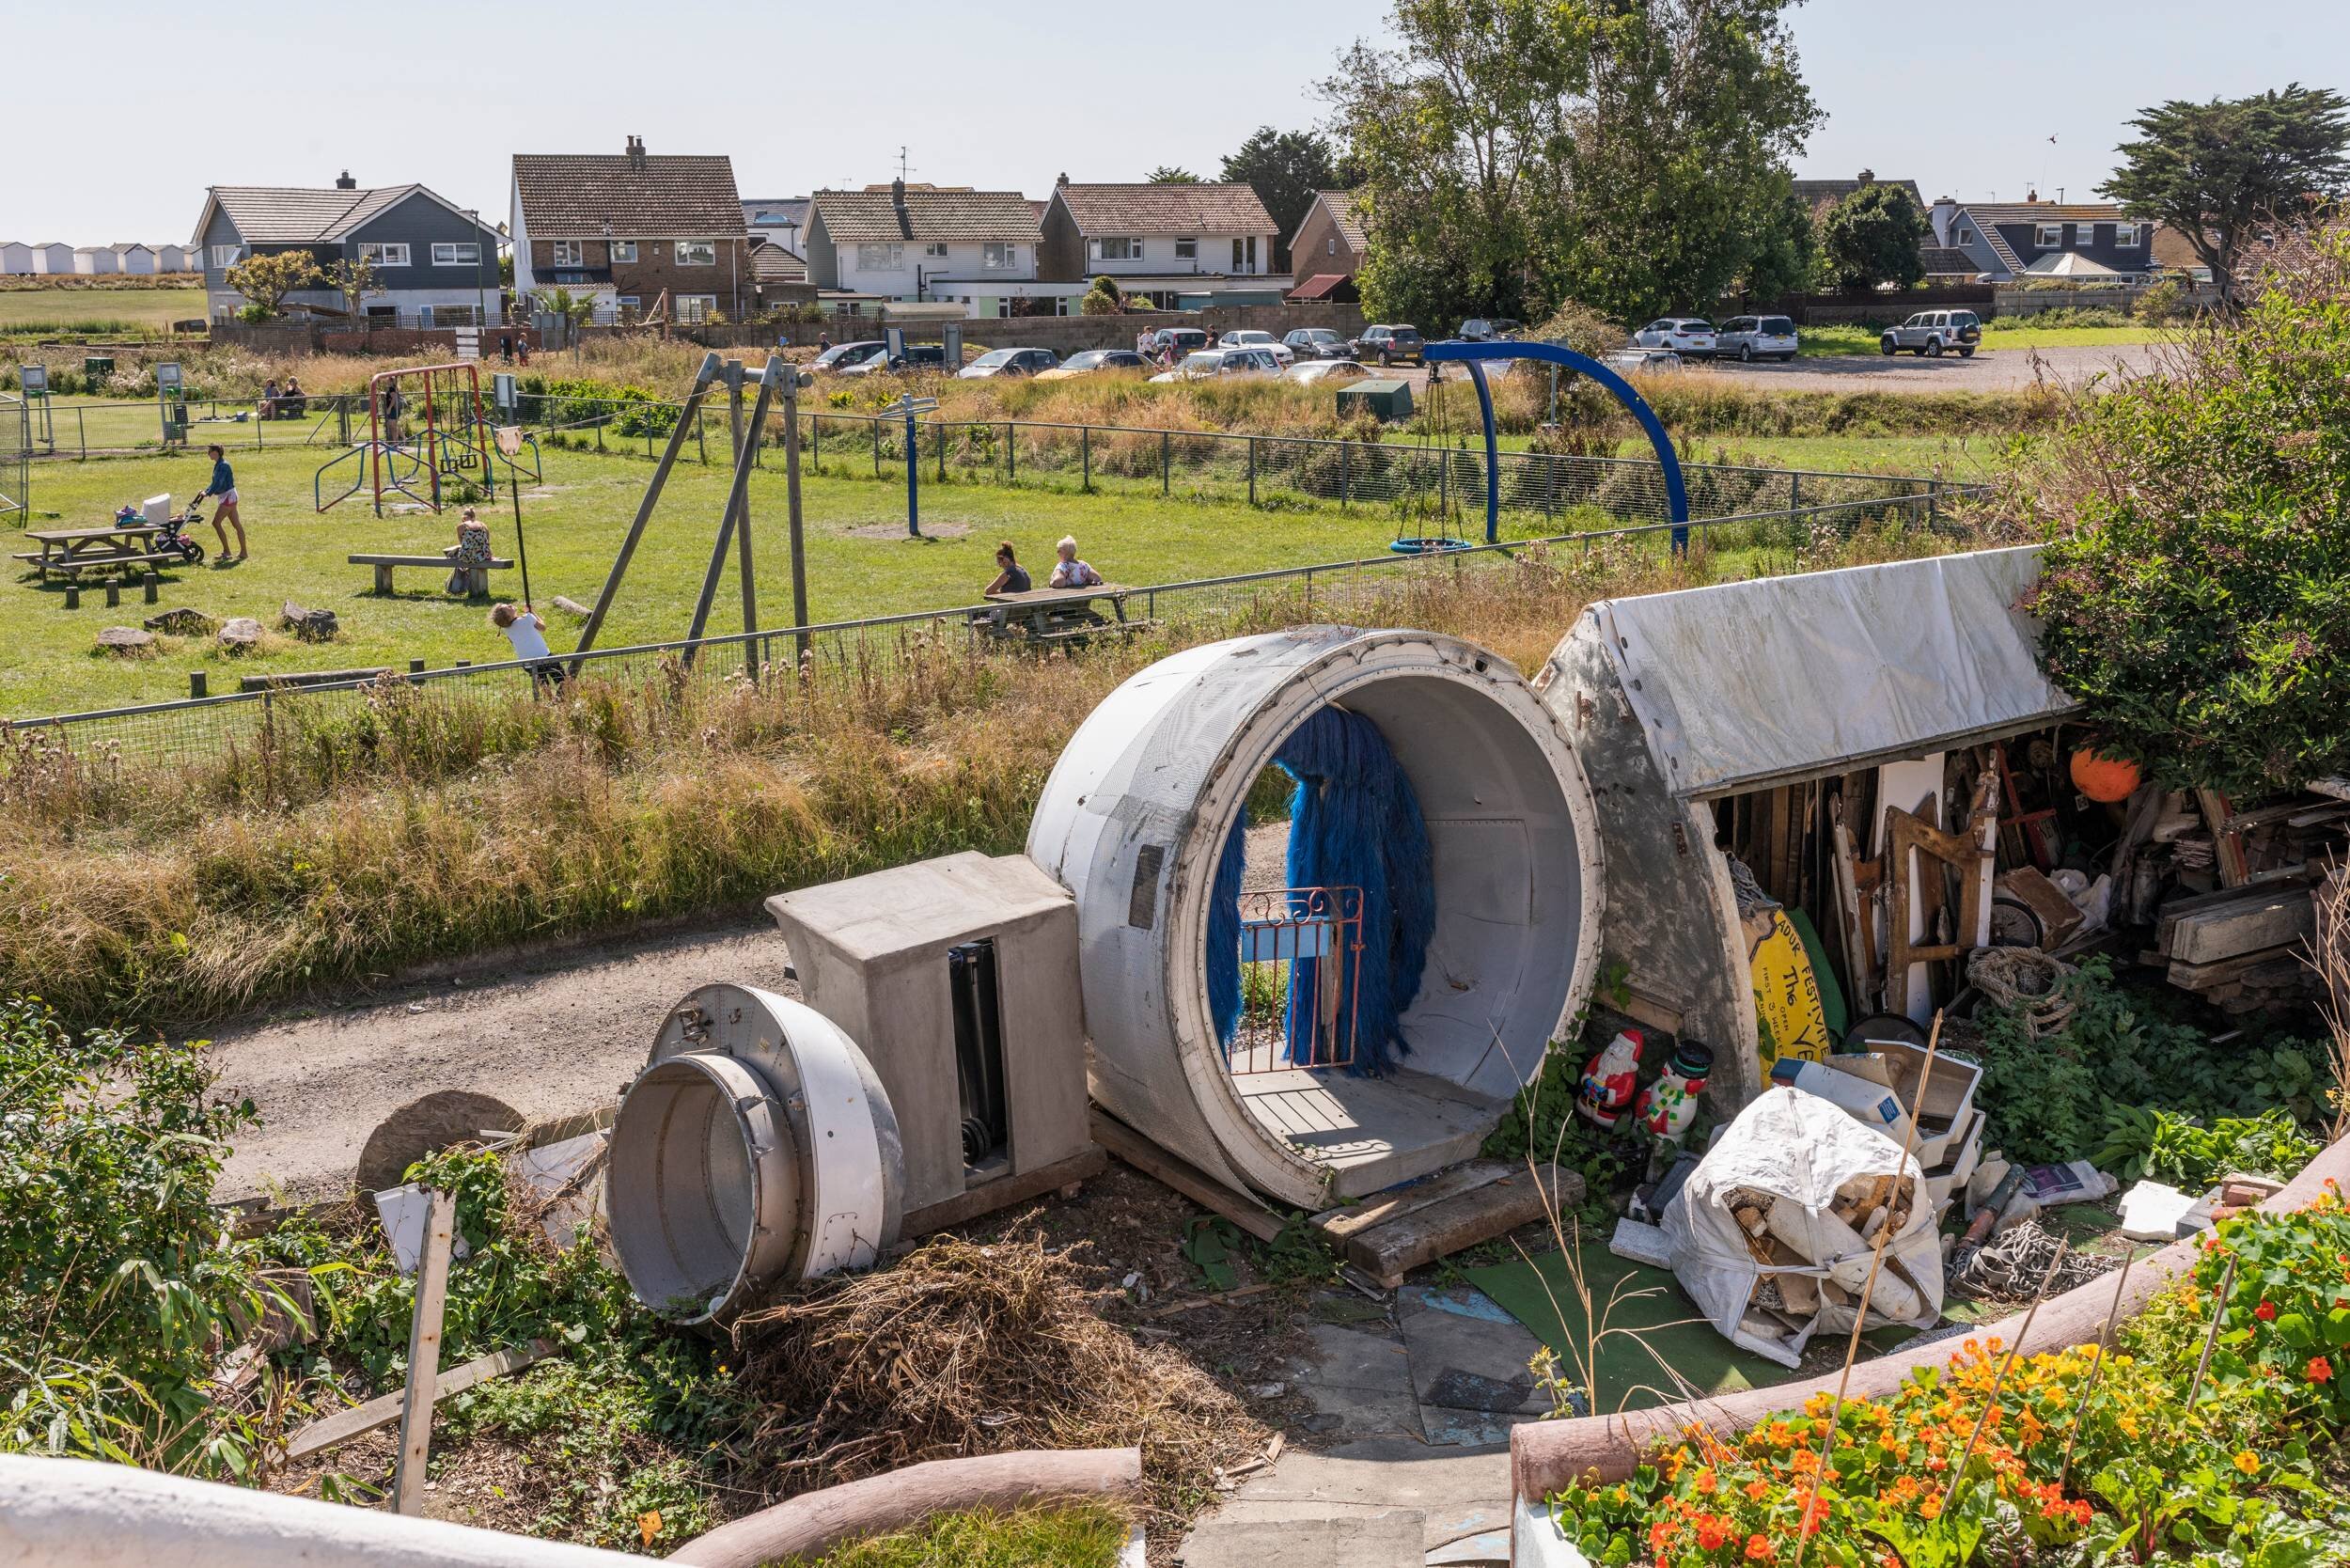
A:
x: 1465, y: 1353
x: 1306, y: 1535
x: 1458, y: 1495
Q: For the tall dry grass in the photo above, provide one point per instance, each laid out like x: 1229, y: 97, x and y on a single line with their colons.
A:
x: 422, y: 823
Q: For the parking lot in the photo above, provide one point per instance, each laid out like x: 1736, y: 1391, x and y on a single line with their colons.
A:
x: 1989, y: 370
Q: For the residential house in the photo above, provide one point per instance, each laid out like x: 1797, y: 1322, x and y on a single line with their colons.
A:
x: 177, y: 258
x: 96, y: 260
x: 53, y: 257
x: 135, y: 258
x: 2174, y: 252
x: 2019, y: 241
x: 16, y: 258
x: 435, y: 263
x: 782, y: 276
x: 1181, y: 246
x: 633, y: 230
x: 783, y: 220
x: 1327, y: 249
x: 1818, y: 193
x: 926, y: 243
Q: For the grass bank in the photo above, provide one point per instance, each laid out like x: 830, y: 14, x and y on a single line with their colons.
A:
x: 95, y: 307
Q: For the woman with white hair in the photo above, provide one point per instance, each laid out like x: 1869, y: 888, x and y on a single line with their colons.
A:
x: 1071, y: 573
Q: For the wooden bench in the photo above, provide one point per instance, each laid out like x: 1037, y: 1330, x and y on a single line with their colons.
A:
x: 1050, y: 615
x: 75, y: 566
x: 476, y: 580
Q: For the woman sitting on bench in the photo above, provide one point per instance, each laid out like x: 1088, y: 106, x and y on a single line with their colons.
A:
x: 1071, y: 573
x: 470, y: 556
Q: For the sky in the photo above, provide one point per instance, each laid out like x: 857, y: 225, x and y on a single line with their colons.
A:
x: 1976, y: 102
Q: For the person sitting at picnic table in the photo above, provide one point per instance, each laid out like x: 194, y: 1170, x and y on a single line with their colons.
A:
x: 470, y: 553
x: 293, y: 402
x: 223, y: 491
x: 528, y: 633
x: 1071, y: 573
x: 1011, y: 576
x: 268, y: 398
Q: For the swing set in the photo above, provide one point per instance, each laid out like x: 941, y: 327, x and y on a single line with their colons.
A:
x: 427, y: 435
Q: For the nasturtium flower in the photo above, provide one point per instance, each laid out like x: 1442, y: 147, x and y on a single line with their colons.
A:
x: 2248, y: 1462
x: 2266, y: 1311
x: 2321, y: 1370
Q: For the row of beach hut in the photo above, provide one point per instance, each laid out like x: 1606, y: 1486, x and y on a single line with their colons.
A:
x: 19, y: 257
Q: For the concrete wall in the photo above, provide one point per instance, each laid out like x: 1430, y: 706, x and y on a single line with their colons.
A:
x: 2031, y: 300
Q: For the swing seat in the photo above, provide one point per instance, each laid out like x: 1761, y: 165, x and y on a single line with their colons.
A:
x: 1426, y: 546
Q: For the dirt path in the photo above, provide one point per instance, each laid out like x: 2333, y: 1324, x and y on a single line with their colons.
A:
x: 550, y: 1035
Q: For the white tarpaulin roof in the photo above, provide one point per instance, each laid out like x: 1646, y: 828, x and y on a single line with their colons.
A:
x: 1743, y: 684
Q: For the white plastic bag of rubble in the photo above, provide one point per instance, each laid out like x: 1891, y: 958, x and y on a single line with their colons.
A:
x: 1785, y: 1157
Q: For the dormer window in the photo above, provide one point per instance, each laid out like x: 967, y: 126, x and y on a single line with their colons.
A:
x: 2048, y: 236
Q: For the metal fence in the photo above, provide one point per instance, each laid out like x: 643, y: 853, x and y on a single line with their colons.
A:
x: 281, y: 722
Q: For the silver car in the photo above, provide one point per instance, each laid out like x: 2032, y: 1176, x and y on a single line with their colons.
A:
x: 1931, y: 332
x: 1690, y: 336
x: 1753, y: 337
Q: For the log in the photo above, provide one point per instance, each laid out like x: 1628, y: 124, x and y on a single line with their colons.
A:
x: 811, y: 1524
x: 1388, y: 1252
x: 2247, y: 925
x: 1339, y: 1224
x: 1545, y: 1456
x: 1185, y: 1177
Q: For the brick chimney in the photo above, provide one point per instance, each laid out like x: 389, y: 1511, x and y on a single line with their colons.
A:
x: 636, y: 151
x: 1868, y: 177
x: 1063, y: 179
x: 344, y: 182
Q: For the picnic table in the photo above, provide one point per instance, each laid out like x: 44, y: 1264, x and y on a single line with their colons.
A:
x: 71, y: 552
x: 1060, y: 614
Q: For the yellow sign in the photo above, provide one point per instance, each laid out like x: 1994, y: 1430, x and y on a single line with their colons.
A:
x: 1787, y: 1005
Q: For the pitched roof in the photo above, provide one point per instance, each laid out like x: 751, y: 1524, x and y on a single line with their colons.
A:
x: 2046, y: 212
x: 771, y: 264
x: 1347, y: 215
x: 1812, y: 193
x: 1322, y: 286
x: 930, y: 216
x: 2172, y: 248
x: 2068, y: 263
x: 687, y: 196
x: 792, y: 209
x: 1168, y: 208
x: 1947, y: 261
x: 296, y: 216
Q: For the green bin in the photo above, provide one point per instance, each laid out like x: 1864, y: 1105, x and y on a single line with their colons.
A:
x: 1388, y: 399
x: 96, y: 368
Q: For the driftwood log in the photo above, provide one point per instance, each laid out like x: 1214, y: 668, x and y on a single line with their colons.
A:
x: 1546, y: 1456
x: 813, y: 1523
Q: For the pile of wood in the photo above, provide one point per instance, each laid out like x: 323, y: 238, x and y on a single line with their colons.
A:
x: 1777, y: 1235
x: 2241, y: 948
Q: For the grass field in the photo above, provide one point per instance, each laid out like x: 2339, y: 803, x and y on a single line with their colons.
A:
x: 139, y: 312
x: 1852, y: 338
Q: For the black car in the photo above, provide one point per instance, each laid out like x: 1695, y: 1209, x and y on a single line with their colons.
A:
x: 1317, y: 343
x: 1388, y: 344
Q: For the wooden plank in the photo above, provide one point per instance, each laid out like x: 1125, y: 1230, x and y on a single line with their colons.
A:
x: 2227, y: 846
x: 2202, y: 977
x: 1387, y: 1252
x: 341, y: 1427
x: 2245, y: 925
x: 2336, y: 787
x: 424, y: 1354
x: 1380, y: 1207
x: 1004, y: 1191
x: 1186, y: 1178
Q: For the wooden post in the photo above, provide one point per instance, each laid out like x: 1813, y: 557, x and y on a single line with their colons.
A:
x: 738, y: 498
x: 1252, y: 470
x: 196, y: 683
x: 644, y: 508
x: 151, y: 583
x: 114, y: 592
x: 1085, y: 453
x: 742, y: 518
x: 424, y: 1352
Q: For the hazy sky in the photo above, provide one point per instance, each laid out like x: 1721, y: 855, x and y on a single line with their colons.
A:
x: 1962, y: 100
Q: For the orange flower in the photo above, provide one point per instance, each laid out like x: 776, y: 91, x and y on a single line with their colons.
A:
x: 1758, y: 1489
x: 1759, y: 1550
x: 1713, y: 1529
x: 1660, y: 1536
x: 1706, y: 1483
x: 2248, y: 1462
x: 2321, y: 1370
x: 2266, y: 1311
x: 1930, y: 1508
x: 1814, y: 1514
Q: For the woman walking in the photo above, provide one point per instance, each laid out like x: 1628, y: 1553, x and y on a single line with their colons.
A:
x: 222, y: 493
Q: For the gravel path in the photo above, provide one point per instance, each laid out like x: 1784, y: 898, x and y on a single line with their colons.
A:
x: 552, y: 1034
x: 1990, y: 370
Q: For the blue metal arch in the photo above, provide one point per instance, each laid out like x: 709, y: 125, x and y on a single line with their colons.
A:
x: 1473, y: 355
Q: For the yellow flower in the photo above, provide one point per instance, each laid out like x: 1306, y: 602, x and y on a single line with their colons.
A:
x: 2248, y: 1462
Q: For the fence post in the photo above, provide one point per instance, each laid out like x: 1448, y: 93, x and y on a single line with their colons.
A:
x: 942, y: 454
x: 1085, y: 457
x: 1444, y: 478
x: 1167, y: 464
x: 1012, y: 453
x: 874, y: 424
x: 1252, y: 470
x: 1346, y: 477
x: 1794, y: 496
x: 1933, y: 503
x: 700, y: 440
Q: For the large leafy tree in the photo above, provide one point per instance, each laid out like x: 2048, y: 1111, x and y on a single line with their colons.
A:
x: 1628, y: 154
x: 1285, y: 168
x: 1871, y: 237
x: 1784, y: 252
x: 266, y: 279
x: 2218, y: 172
x: 1172, y: 174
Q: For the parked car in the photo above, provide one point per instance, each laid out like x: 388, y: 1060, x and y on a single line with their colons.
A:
x: 1482, y: 329
x: 918, y: 357
x: 1010, y: 362
x: 1248, y: 337
x: 1752, y: 337
x: 1641, y: 359
x: 1182, y: 339
x: 1931, y: 332
x: 1690, y: 336
x: 841, y: 355
x: 1319, y: 343
x: 1388, y: 344
x: 1325, y: 372
x: 1085, y: 362
x: 1208, y: 363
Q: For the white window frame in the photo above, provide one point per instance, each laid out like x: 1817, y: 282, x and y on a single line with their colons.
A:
x: 1129, y: 247
x: 453, y: 258
x: 624, y: 250
x: 691, y: 308
x: 1962, y: 236
x: 876, y: 256
x: 226, y: 256
x: 627, y: 301
x: 1244, y: 254
x: 935, y: 251
x: 2084, y: 234
x: 696, y: 253
x: 2047, y: 236
x: 2128, y: 236
x: 566, y: 253
x: 998, y: 255
x: 1187, y: 247
x: 1330, y: 245
x: 384, y: 253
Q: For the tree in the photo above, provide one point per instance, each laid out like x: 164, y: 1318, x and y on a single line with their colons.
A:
x: 1103, y: 299
x: 1785, y: 252
x: 354, y: 280
x: 1514, y: 154
x: 266, y: 279
x: 1285, y: 168
x: 1871, y: 237
x: 2217, y: 172
x: 1170, y: 174
x: 576, y: 310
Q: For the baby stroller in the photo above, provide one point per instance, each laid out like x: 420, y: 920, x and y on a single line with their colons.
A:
x: 171, y: 528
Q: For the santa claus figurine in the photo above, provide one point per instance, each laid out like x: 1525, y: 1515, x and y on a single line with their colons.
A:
x: 1611, y: 1081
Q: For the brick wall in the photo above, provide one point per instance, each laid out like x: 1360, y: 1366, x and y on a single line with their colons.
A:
x: 295, y: 338
x: 655, y: 269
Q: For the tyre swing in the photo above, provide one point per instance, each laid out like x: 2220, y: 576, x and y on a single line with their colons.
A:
x: 1447, y: 535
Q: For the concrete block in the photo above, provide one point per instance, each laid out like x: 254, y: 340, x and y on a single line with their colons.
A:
x: 1306, y: 1535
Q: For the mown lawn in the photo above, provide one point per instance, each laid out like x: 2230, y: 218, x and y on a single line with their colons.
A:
x: 97, y: 311
x: 1853, y: 338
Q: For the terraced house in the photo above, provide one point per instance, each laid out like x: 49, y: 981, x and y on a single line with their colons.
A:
x: 436, y: 264
x: 1181, y: 247
x: 945, y: 244
x: 641, y: 235
x: 2019, y: 241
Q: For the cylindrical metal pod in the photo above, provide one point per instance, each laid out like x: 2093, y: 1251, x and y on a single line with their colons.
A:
x: 1136, y: 811
x: 756, y: 1145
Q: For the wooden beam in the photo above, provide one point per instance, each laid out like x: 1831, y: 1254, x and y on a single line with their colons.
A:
x: 1380, y: 1207
x: 1005, y: 1191
x: 2248, y: 924
x: 2227, y: 843
x: 1185, y: 1177
x: 1387, y: 1252
x: 424, y: 1353
x: 333, y: 1431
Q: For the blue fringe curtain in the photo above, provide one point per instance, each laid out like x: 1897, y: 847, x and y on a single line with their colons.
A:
x: 1353, y: 823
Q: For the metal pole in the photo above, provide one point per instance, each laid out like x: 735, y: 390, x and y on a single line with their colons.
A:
x: 913, y: 476
x: 791, y: 501
x: 1252, y: 470
x: 1085, y: 456
x: 874, y: 426
x: 743, y: 521
x: 1166, y: 449
x: 1012, y: 453
x: 942, y: 453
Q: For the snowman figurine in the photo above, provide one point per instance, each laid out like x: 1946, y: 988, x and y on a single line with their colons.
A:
x: 1670, y: 1103
x: 1611, y: 1081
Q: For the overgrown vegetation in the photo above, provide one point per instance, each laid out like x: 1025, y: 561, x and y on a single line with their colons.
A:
x: 2198, y: 586
x: 1086, y: 1537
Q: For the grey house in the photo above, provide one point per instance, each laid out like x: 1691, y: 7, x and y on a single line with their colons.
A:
x: 435, y: 263
x: 2019, y: 241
